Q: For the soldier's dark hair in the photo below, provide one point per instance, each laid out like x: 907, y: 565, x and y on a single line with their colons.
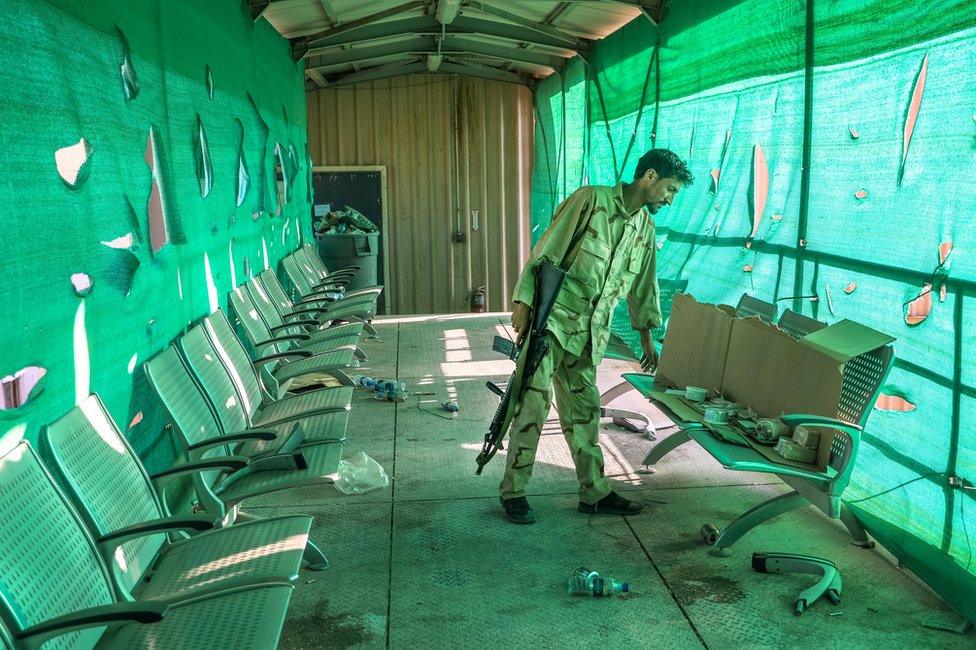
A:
x: 667, y: 165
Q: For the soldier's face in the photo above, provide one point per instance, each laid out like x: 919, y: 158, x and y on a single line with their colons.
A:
x: 658, y: 191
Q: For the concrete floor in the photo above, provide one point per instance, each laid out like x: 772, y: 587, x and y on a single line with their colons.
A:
x: 430, y: 562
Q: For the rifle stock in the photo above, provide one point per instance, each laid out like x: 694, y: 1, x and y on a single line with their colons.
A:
x: 548, y: 280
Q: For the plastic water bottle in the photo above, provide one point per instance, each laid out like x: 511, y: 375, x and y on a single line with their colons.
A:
x: 585, y: 582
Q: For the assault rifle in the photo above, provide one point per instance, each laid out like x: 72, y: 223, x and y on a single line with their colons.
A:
x: 548, y: 280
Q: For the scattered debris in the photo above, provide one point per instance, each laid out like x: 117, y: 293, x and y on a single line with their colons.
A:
x: 344, y: 222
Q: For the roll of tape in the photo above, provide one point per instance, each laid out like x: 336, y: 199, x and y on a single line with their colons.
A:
x: 695, y: 394
x: 716, y: 415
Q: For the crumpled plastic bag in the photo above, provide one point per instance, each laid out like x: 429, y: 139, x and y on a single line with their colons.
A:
x: 359, y: 474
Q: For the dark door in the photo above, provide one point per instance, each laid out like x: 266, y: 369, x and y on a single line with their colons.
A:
x: 362, y: 190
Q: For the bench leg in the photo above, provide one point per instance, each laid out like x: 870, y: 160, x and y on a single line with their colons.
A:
x: 658, y: 451
x: 859, y: 536
x: 314, y: 557
x: 755, y: 516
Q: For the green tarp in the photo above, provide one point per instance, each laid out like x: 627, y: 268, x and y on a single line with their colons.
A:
x: 730, y: 80
x: 62, y: 64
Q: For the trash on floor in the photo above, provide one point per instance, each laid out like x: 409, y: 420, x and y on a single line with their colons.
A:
x: 830, y: 582
x: 359, y: 474
x: 585, y: 582
x: 383, y: 389
x: 344, y: 222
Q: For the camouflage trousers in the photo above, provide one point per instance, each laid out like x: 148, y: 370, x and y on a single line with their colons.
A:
x: 578, y: 404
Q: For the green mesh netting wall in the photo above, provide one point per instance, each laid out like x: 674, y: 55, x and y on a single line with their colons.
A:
x: 188, y: 64
x: 866, y: 236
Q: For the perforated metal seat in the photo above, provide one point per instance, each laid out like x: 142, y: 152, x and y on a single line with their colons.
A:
x: 797, y: 325
x: 202, y: 435
x: 312, y: 265
x: 54, y: 586
x: 288, y: 355
x: 110, y: 488
x: 362, y: 304
x: 750, y: 306
x: 316, y: 307
x: 316, y: 330
x: 240, y: 402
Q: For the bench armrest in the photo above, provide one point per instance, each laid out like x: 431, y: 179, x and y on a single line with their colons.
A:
x: 798, y: 419
x: 285, y: 338
x: 106, y: 615
x: 293, y: 324
x: 233, y: 437
x: 195, y: 523
x: 226, y: 463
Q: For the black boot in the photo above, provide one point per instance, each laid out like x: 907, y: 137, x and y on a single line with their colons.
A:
x: 612, y: 504
x: 517, y: 510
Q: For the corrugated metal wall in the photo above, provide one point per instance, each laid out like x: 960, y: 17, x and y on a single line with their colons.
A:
x: 408, y: 124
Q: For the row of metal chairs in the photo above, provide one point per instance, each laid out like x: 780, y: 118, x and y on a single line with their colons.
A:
x: 92, y: 556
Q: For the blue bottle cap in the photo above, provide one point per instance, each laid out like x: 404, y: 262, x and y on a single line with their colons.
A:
x: 625, y: 587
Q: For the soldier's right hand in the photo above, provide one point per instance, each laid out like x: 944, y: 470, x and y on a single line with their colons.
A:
x: 521, y: 321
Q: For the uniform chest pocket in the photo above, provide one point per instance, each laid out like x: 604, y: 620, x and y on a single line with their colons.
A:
x: 636, y: 262
x: 596, y: 247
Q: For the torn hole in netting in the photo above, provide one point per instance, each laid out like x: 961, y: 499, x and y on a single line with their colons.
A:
x: 861, y: 194
x: 136, y: 419
x: 310, y: 190
x: 849, y: 289
x: 894, y: 399
x: 156, y: 206
x: 911, y: 114
x: 281, y: 176
x: 941, y: 275
x: 243, y: 175
x: 21, y: 387
x: 203, y: 166
x: 920, y: 306
x: 82, y: 283
x: 73, y: 163
x: 130, y: 83
x: 292, y: 166
x: 208, y: 78
x: 261, y: 178
x: 760, y: 188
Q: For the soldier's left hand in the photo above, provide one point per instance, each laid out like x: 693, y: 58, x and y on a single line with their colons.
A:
x: 649, y: 360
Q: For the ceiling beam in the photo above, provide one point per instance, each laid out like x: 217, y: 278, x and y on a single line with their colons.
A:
x: 447, y: 11
x: 345, y: 57
x: 537, y: 34
x: 462, y: 25
x: 481, y: 71
x: 317, y: 77
x: 542, y: 28
x: 365, y: 21
x: 381, y: 72
x: 495, y: 51
x: 329, y: 11
x: 371, y: 32
x: 428, y: 45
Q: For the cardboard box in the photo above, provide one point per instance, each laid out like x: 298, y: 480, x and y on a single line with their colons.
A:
x: 759, y: 365
x: 696, y: 343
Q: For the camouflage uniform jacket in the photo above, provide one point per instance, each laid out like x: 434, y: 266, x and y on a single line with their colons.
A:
x: 608, y: 254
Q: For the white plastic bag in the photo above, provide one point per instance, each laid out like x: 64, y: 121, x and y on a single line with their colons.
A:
x: 359, y: 474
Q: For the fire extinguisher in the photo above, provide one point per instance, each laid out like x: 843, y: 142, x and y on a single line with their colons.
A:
x: 479, y: 300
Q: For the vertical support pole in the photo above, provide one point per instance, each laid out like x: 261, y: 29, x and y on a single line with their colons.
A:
x: 801, y: 235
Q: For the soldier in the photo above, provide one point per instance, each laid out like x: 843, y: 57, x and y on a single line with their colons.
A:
x: 604, y: 238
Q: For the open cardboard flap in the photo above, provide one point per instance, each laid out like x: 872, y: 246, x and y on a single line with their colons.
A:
x: 696, y: 343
